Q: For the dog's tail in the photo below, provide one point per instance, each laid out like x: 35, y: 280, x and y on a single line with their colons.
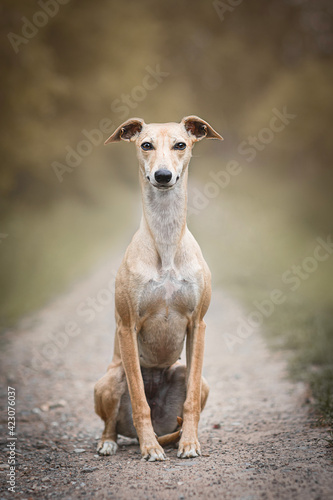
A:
x: 171, y: 438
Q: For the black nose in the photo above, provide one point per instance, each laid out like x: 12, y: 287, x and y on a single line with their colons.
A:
x: 163, y: 176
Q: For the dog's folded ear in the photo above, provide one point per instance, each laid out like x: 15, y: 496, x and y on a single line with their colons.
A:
x: 199, y: 129
x: 128, y: 131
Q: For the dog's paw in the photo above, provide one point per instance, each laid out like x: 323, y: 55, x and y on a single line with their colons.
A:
x: 153, y: 453
x: 107, y: 447
x: 188, y: 448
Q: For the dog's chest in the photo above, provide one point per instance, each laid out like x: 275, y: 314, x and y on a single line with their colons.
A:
x: 169, y: 293
x: 165, y: 307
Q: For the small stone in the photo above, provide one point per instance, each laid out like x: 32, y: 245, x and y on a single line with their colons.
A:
x: 61, y: 403
x: 86, y: 470
x: 40, y: 444
x: 79, y: 450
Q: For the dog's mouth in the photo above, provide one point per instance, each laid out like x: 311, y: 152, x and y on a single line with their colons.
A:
x: 162, y: 187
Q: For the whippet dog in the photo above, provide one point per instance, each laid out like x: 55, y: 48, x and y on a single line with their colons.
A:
x: 163, y: 290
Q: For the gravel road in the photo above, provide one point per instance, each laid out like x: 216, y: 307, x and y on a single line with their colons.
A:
x: 255, y: 432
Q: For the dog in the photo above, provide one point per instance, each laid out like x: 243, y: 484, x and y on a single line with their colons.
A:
x: 162, y: 293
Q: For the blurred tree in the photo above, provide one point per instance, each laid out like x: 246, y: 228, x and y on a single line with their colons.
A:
x: 261, y: 54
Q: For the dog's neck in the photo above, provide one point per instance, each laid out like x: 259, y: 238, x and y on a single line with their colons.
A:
x: 164, y: 216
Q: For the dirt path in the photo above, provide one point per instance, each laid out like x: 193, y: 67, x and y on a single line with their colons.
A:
x: 255, y: 433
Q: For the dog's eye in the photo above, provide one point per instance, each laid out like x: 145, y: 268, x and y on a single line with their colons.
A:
x: 179, y: 145
x: 147, y: 146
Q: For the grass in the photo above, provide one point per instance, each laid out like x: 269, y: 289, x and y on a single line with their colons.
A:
x: 307, y: 335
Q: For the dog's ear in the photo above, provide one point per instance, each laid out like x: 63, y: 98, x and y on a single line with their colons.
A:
x: 199, y: 129
x: 128, y: 131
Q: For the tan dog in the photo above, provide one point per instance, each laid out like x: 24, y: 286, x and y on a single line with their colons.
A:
x: 162, y: 294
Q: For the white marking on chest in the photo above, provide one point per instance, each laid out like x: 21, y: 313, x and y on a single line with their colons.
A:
x: 170, y: 288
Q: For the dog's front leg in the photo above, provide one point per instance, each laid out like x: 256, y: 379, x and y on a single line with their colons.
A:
x: 150, y: 448
x: 189, y: 445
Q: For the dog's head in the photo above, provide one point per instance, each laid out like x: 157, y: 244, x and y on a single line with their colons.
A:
x: 164, y: 149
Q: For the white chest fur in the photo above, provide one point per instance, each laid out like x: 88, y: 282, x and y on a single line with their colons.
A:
x: 168, y: 293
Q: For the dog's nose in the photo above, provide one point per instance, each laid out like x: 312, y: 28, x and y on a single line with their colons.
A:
x: 163, y: 176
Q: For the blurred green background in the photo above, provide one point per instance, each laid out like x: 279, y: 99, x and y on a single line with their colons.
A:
x: 88, y: 62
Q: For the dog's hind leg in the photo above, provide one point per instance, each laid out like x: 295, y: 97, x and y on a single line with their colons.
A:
x: 108, y: 394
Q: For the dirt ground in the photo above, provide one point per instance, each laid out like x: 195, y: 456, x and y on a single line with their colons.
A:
x: 256, y: 434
